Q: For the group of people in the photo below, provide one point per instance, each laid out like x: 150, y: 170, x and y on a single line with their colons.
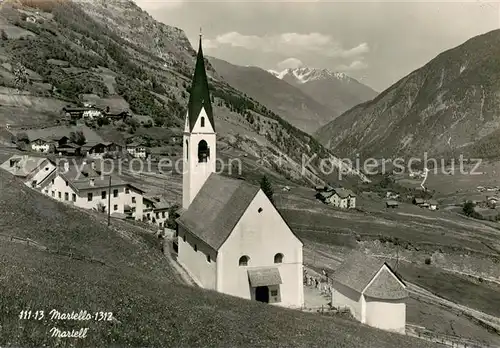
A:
x: 322, y: 285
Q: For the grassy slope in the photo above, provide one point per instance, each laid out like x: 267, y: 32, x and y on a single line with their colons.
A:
x: 138, y: 286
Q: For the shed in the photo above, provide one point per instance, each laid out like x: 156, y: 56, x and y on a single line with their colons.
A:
x: 418, y: 201
x: 391, y: 204
x: 372, y: 291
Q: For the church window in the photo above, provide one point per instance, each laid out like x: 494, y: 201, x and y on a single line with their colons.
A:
x: 278, y: 258
x: 203, y: 121
x: 195, y: 247
x: 203, y: 151
x: 260, y: 210
x: 184, y: 237
x: 208, y: 258
x: 244, y: 260
x: 187, y: 149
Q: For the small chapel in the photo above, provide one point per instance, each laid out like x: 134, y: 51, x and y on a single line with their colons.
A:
x: 230, y: 237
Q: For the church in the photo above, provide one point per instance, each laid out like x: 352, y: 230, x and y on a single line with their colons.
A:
x: 230, y: 237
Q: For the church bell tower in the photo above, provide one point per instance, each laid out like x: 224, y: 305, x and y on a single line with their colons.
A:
x: 199, y: 135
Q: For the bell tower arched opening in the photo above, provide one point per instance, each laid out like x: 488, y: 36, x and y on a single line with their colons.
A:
x: 203, y: 151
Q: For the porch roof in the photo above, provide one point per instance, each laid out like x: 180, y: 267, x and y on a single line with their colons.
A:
x: 264, y: 277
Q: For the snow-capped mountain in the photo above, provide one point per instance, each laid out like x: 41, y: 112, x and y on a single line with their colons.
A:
x: 336, y: 90
x: 304, y: 75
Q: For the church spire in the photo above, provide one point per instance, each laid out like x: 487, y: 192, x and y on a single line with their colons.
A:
x: 200, y: 96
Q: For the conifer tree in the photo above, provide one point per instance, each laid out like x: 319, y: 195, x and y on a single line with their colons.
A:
x: 266, y: 186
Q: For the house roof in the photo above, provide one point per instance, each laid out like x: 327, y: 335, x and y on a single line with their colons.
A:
x: 392, y: 203
x: 358, y: 270
x: 264, y: 276
x: 418, y: 200
x: 199, y: 97
x: 344, y: 193
x: 24, y: 165
x: 326, y: 194
x: 386, y: 287
x: 217, y: 208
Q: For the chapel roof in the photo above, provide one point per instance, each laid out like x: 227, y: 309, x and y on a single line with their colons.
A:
x: 358, y: 270
x: 217, y: 208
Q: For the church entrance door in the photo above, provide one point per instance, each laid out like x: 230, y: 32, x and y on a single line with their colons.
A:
x: 262, y: 294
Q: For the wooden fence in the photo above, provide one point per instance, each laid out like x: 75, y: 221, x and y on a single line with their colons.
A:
x: 447, y: 340
x: 32, y: 243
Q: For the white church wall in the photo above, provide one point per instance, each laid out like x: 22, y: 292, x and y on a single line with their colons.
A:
x: 260, y: 236
x: 196, y: 262
x: 345, y: 297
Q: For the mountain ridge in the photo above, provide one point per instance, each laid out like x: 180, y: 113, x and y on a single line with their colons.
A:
x: 336, y: 90
x: 443, y: 107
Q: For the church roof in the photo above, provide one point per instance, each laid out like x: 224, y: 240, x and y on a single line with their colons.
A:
x: 217, y: 208
x: 358, y: 270
x: 200, y: 96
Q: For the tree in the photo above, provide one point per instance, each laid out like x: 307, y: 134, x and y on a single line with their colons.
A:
x: 21, y: 76
x: 468, y: 208
x: 77, y: 137
x: 266, y: 186
x: 23, y: 137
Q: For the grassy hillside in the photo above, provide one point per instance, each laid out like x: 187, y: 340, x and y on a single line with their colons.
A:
x: 151, y: 306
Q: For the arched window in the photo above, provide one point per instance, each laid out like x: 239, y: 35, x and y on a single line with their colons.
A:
x: 195, y: 247
x: 203, y: 121
x: 187, y: 149
x: 208, y: 258
x: 184, y: 237
x: 203, y: 151
x: 244, y: 260
x: 278, y: 258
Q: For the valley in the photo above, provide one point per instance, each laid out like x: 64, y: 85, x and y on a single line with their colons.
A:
x: 114, y: 56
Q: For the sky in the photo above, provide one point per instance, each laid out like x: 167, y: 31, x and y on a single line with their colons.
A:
x: 376, y: 42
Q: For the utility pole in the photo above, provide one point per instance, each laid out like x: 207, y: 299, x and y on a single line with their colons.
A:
x: 109, y: 200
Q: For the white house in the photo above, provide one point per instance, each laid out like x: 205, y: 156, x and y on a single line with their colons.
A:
x: 91, y: 113
x: 339, y: 197
x: 230, y: 237
x: 42, y: 145
x: 32, y: 170
x: 373, y: 293
x: 155, y: 211
x: 84, y: 187
x: 137, y: 150
x: 433, y: 204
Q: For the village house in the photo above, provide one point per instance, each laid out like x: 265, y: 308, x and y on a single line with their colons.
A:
x: 230, y: 237
x: 418, y: 201
x: 492, y: 202
x: 373, y: 293
x: 98, y: 150
x: 43, y: 145
x: 339, y: 197
x: 84, y: 187
x: 487, y: 214
x: 433, y: 204
x: 155, y: 211
x: 137, y: 150
x: 32, y: 170
x: 391, y: 204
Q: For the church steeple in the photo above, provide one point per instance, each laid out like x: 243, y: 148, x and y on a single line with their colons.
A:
x: 200, y: 97
x: 200, y: 139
